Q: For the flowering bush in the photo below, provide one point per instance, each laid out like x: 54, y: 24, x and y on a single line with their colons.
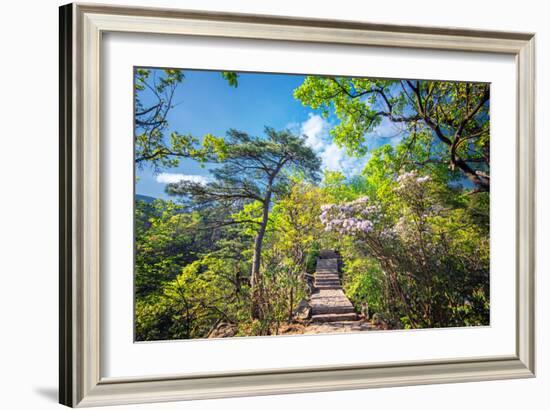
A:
x: 350, y: 217
x: 412, y: 188
x: 411, y: 179
x: 432, y: 257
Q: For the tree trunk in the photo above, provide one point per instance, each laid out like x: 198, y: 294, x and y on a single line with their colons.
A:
x: 291, y: 304
x: 255, y: 279
x: 255, y: 285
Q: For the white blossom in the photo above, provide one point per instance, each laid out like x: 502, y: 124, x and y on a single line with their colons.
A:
x: 355, y: 217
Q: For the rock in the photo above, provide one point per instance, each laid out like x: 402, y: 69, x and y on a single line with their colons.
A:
x: 303, y: 310
x: 378, y: 319
x: 223, y: 330
x: 365, y: 314
x: 292, y: 329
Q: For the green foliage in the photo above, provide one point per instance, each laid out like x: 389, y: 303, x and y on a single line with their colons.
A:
x: 251, y: 167
x: 364, y: 282
x: 311, y: 258
x: 153, y: 147
x: 231, y: 77
x: 161, y: 231
x: 448, y: 123
x: 190, y: 306
x: 340, y: 95
x: 433, y: 255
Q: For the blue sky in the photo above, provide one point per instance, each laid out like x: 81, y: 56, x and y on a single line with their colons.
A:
x: 205, y: 103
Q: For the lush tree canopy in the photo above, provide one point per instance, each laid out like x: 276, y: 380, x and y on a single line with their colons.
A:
x: 449, y: 122
x: 152, y: 146
x: 253, y: 171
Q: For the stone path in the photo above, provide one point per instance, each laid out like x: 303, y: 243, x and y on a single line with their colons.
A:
x: 328, y: 301
x: 337, y: 327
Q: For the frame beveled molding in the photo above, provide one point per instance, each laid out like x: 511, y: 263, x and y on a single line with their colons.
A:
x: 81, y: 29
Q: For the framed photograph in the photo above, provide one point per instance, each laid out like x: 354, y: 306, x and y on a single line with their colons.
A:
x: 259, y: 205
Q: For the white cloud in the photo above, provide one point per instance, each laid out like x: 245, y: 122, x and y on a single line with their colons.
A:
x: 167, y: 178
x: 336, y: 159
x: 316, y: 129
x: 332, y: 157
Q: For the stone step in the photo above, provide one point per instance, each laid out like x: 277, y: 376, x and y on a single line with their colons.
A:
x: 327, y: 254
x: 320, y: 301
x: 324, y: 310
x: 327, y: 271
x: 328, y: 286
x: 337, y: 298
x: 327, y: 263
x: 334, y: 317
x: 327, y: 283
x: 328, y: 302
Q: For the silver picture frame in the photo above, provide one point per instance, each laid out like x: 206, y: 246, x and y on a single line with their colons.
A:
x: 81, y: 30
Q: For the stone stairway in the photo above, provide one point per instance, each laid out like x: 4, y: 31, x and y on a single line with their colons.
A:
x: 328, y: 301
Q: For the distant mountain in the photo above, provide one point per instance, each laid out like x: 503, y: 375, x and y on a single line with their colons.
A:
x: 145, y: 198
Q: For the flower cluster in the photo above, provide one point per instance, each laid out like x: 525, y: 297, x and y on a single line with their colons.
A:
x: 350, y: 217
x: 388, y: 233
x: 407, y: 180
